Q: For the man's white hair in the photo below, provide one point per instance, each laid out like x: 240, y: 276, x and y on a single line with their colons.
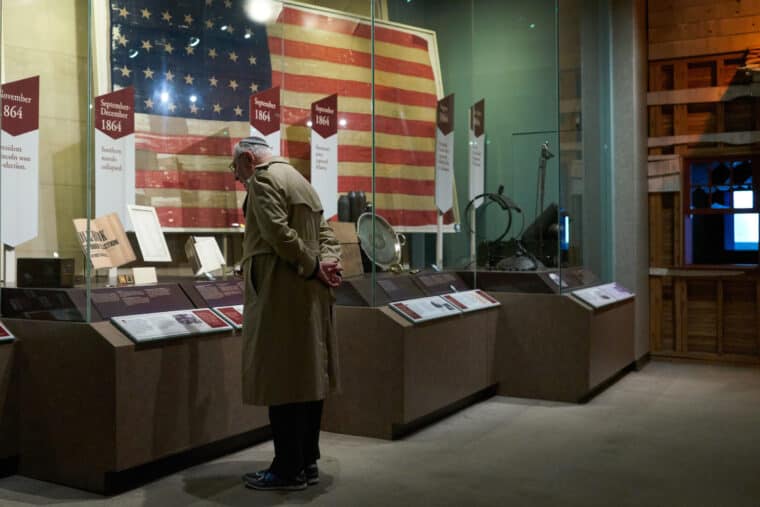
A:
x: 255, y: 145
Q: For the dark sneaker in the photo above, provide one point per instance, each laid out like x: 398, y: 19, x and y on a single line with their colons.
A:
x: 268, y: 481
x: 312, y: 474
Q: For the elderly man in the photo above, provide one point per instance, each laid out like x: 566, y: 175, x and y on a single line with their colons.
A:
x: 291, y: 262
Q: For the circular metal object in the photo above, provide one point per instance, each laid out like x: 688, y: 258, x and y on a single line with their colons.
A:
x: 383, y: 247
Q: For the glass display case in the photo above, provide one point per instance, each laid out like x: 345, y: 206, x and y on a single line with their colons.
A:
x: 439, y: 155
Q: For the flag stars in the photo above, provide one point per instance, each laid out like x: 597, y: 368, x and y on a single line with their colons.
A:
x: 172, y: 107
x: 254, y: 87
x: 146, y: 45
x: 217, y: 108
x: 168, y: 48
x: 209, y: 2
x: 238, y: 111
x: 252, y: 60
x: 125, y: 71
x: 213, y: 81
x: 189, y: 50
x: 193, y: 109
x: 123, y: 12
x: 248, y: 33
x: 122, y: 40
x: 231, y: 29
x: 189, y: 19
x: 189, y: 79
x: 169, y: 75
x: 148, y: 104
x: 145, y: 13
x: 166, y: 16
x: 148, y: 73
x: 209, y: 24
x: 228, y: 4
x: 233, y: 56
x: 234, y: 85
x: 212, y: 53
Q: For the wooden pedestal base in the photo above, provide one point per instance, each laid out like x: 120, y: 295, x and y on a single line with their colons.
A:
x: 554, y: 347
x: 396, y: 375
x: 93, y: 404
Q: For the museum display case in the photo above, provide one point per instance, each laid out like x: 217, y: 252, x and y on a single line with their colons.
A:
x: 465, y: 184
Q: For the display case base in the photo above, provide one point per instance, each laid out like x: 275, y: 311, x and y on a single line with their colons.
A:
x: 8, y: 409
x: 397, y: 376
x: 555, y: 347
x: 95, y: 408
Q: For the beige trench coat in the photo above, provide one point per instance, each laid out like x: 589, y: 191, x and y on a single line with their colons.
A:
x: 289, y: 342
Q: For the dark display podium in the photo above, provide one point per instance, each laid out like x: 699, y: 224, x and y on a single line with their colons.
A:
x: 553, y: 346
x: 99, y: 412
x: 8, y: 409
x: 397, y: 376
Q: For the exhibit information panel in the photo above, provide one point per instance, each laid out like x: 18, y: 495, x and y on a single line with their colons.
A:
x: 5, y: 335
x: 232, y: 314
x: 424, y: 309
x: 221, y: 293
x: 603, y: 295
x: 151, y: 327
x: 471, y: 300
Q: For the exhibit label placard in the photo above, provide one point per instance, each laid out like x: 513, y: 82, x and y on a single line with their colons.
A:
x: 20, y: 160
x: 232, y: 314
x: 603, y: 295
x: 109, y: 245
x: 221, y: 293
x: 5, y: 335
x: 444, y: 154
x: 477, y: 150
x: 471, y: 300
x: 115, y: 154
x: 324, y: 153
x: 151, y: 327
x: 425, y: 309
x: 265, y: 117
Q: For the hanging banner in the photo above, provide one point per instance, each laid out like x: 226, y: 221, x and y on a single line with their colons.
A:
x: 265, y: 117
x: 444, y: 154
x: 324, y: 153
x: 20, y: 160
x: 115, y: 154
x: 477, y: 150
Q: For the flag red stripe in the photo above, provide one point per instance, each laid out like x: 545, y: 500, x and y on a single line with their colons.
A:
x: 225, y: 217
x: 310, y: 51
x: 301, y: 150
x: 218, y: 181
x: 222, y: 147
x: 199, y: 217
x: 386, y: 185
x: 326, y: 86
x: 340, y: 25
x: 363, y: 122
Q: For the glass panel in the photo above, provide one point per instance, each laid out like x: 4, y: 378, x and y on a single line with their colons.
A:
x: 44, y: 149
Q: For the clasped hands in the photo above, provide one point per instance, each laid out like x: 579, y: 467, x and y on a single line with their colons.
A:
x: 330, y: 273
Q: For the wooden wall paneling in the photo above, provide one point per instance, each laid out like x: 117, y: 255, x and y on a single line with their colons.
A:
x: 701, y: 316
x: 655, y: 230
x: 681, y: 314
x: 677, y: 230
x: 655, y: 313
x: 740, y: 317
x: 668, y: 314
x: 719, y: 316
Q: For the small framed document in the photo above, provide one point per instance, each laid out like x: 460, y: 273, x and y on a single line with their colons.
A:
x: 471, y: 300
x: 424, y: 309
x: 151, y: 327
x: 603, y: 295
x: 232, y: 314
x: 150, y: 237
x: 5, y: 335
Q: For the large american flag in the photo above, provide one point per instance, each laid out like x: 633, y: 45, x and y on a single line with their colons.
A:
x: 194, y: 64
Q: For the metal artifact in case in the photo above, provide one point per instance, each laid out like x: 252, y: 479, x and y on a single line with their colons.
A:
x: 380, y: 242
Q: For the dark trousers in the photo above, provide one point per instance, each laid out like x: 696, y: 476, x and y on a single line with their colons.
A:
x: 295, y: 431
